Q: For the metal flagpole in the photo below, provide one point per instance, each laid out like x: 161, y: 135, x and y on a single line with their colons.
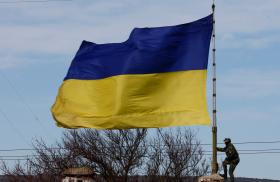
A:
x: 214, y: 122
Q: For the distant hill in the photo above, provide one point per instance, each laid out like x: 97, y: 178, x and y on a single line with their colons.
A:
x: 254, y: 180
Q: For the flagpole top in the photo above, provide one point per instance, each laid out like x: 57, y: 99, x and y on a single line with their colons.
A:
x: 213, y: 6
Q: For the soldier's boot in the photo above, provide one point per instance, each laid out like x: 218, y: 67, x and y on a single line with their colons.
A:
x: 225, y: 170
x: 231, y: 177
x: 223, y: 175
x: 231, y: 170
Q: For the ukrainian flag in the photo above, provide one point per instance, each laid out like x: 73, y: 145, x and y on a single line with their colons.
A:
x: 157, y: 78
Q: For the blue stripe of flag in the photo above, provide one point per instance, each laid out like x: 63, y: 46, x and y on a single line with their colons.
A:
x: 148, y: 50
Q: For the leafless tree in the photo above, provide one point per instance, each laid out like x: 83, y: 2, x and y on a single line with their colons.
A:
x: 16, y: 173
x: 176, y: 154
x: 47, y: 164
x: 115, y: 155
x: 112, y: 153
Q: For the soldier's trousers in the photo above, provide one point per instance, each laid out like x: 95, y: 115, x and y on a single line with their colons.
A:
x: 232, y: 166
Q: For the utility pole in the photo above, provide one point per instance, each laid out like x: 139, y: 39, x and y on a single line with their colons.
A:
x: 214, y: 164
x: 214, y: 114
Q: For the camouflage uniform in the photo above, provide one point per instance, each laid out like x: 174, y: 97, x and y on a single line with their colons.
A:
x: 232, y: 158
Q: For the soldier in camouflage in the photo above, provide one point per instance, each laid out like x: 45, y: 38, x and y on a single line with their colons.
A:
x: 232, y: 158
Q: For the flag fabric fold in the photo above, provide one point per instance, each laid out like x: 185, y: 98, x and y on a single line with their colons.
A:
x: 157, y: 78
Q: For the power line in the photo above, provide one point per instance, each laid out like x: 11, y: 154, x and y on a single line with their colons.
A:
x: 248, y: 142
x: 239, y: 143
x: 262, y: 142
x: 21, y: 136
x: 19, y: 156
x: 31, y: 1
x: 11, y: 150
x: 28, y: 149
x: 22, y: 100
x: 259, y: 150
x: 206, y: 151
x: 26, y: 157
x: 13, y: 159
x: 260, y: 153
x: 253, y: 150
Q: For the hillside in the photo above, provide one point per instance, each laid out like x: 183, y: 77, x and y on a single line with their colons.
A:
x: 142, y: 179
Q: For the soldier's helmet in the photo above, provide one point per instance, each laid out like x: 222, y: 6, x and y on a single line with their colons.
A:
x: 227, y: 140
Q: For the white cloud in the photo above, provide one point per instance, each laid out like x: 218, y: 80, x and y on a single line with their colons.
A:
x: 58, y: 28
x: 250, y: 41
x: 248, y: 84
x: 8, y: 61
x: 248, y: 16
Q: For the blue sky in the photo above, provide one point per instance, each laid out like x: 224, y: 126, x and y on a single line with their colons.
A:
x: 39, y: 39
